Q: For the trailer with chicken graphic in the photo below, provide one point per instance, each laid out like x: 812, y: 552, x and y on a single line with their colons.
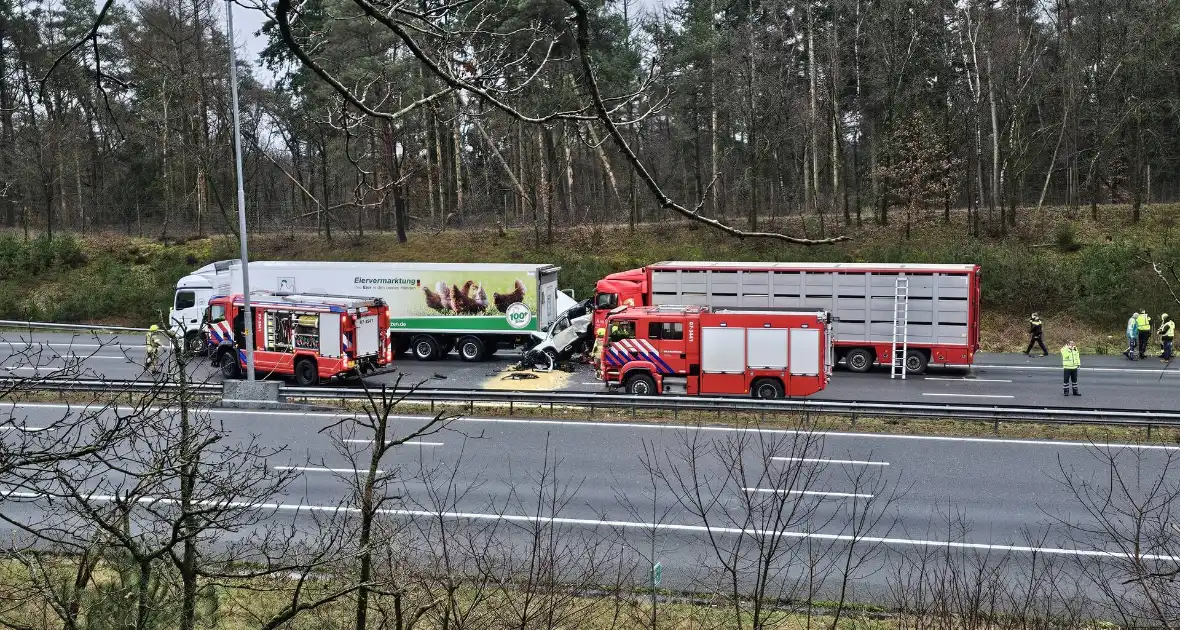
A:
x: 434, y: 308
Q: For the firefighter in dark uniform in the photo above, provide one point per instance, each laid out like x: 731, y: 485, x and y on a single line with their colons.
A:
x: 1036, y: 335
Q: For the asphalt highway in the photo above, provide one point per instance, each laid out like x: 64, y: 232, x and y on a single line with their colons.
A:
x: 1105, y: 382
x: 967, y: 496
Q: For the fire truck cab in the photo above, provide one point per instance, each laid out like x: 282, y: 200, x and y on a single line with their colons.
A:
x: 692, y: 350
x: 311, y: 337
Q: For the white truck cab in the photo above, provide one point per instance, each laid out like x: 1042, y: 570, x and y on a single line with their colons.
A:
x: 188, y: 307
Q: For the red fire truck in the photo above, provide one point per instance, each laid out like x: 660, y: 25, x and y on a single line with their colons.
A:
x: 692, y: 350
x: 311, y: 337
x: 929, y: 313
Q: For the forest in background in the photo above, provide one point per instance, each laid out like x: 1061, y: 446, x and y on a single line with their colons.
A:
x: 841, y: 111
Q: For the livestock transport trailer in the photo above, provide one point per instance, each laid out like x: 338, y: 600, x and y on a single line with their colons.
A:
x: 930, y: 311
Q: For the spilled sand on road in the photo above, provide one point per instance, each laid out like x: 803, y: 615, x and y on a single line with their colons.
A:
x: 528, y: 380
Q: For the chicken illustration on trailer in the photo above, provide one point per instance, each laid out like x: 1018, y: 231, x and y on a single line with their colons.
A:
x: 504, y: 300
x: 481, y: 297
x: 461, y: 300
x: 440, y: 298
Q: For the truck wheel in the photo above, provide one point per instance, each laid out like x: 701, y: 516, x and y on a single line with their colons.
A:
x: 306, y: 373
x: 400, y: 345
x: 425, y: 348
x: 229, y: 365
x: 194, y: 343
x: 859, y: 360
x: 767, y: 389
x: 472, y: 349
x: 641, y: 385
x: 915, y: 362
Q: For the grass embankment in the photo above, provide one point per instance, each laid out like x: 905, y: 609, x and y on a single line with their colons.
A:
x: 1083, y: 276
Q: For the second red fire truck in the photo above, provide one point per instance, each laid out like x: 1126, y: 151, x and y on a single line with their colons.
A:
x: 310, y: 337
x: 695, y: 351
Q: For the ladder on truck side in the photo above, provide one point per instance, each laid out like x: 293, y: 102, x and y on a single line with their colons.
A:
x: 901, y: 326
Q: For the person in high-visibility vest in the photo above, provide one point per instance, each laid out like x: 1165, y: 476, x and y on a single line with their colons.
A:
x: 1071, y: 360
x: 1167, y: 332
x: 1143, y: 324
x: 153, y: 350
x: 597, y: 352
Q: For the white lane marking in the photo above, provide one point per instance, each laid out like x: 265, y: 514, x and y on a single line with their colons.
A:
x: 352, y: 471
x: 967, y: 380
x: 65, y: 345
x: 1144, y: 371
x: 410, y: 443
x: 649, y: 426
x: 650, y: 527
x: 820, y: 460
x: 810, y: 493
x: 26, y: 429
x: 968, y: 395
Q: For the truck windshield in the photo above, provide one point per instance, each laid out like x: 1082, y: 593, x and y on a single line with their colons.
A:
x: 606, y: 301
x: 622, y: 330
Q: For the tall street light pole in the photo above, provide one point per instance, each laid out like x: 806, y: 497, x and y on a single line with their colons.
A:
x: 247, y: 312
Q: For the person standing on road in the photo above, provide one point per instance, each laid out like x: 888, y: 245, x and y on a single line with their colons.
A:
x: 1071, y: 360
x: 1036, y: 335
x: 1167, y: 332
x: 1143, y: 323
x: 597, y: 352
x: 1132, y: 336
x: 153, y: 350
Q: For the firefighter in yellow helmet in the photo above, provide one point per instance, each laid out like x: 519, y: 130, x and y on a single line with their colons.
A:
x: 153, y: 349
x: 1166, y: 332
x: 597, y: 352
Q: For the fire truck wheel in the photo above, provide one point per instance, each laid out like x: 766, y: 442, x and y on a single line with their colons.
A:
x: 472, y: 349
x: 425, y: 348
x: 641, y: 385
x: 859, y: 360
x: 229, y: 365
x: 915, y: 362
x: 767, y: 389
x: 306, y: 373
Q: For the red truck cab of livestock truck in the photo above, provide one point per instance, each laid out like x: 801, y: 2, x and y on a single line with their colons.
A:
x: 940, y: 303
x: 692, y: 350
x: 311, y: 337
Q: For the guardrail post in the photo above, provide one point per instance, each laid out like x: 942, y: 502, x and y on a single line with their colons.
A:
x: 854, y: 420
x: 511, y: 405
x: 1149, y: 431
x: 676, y: 413
x: 996, y: 427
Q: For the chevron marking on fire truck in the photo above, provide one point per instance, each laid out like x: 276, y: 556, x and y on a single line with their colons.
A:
x: 625, y: 350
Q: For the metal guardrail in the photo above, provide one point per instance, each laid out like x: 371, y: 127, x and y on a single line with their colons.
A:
x: 674, y: 404
x: 7, y: 323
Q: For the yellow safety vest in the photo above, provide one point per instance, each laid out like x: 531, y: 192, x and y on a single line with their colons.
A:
x: 1143, y: 322
x: 1168, y: 329
x: 1071, y: 359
